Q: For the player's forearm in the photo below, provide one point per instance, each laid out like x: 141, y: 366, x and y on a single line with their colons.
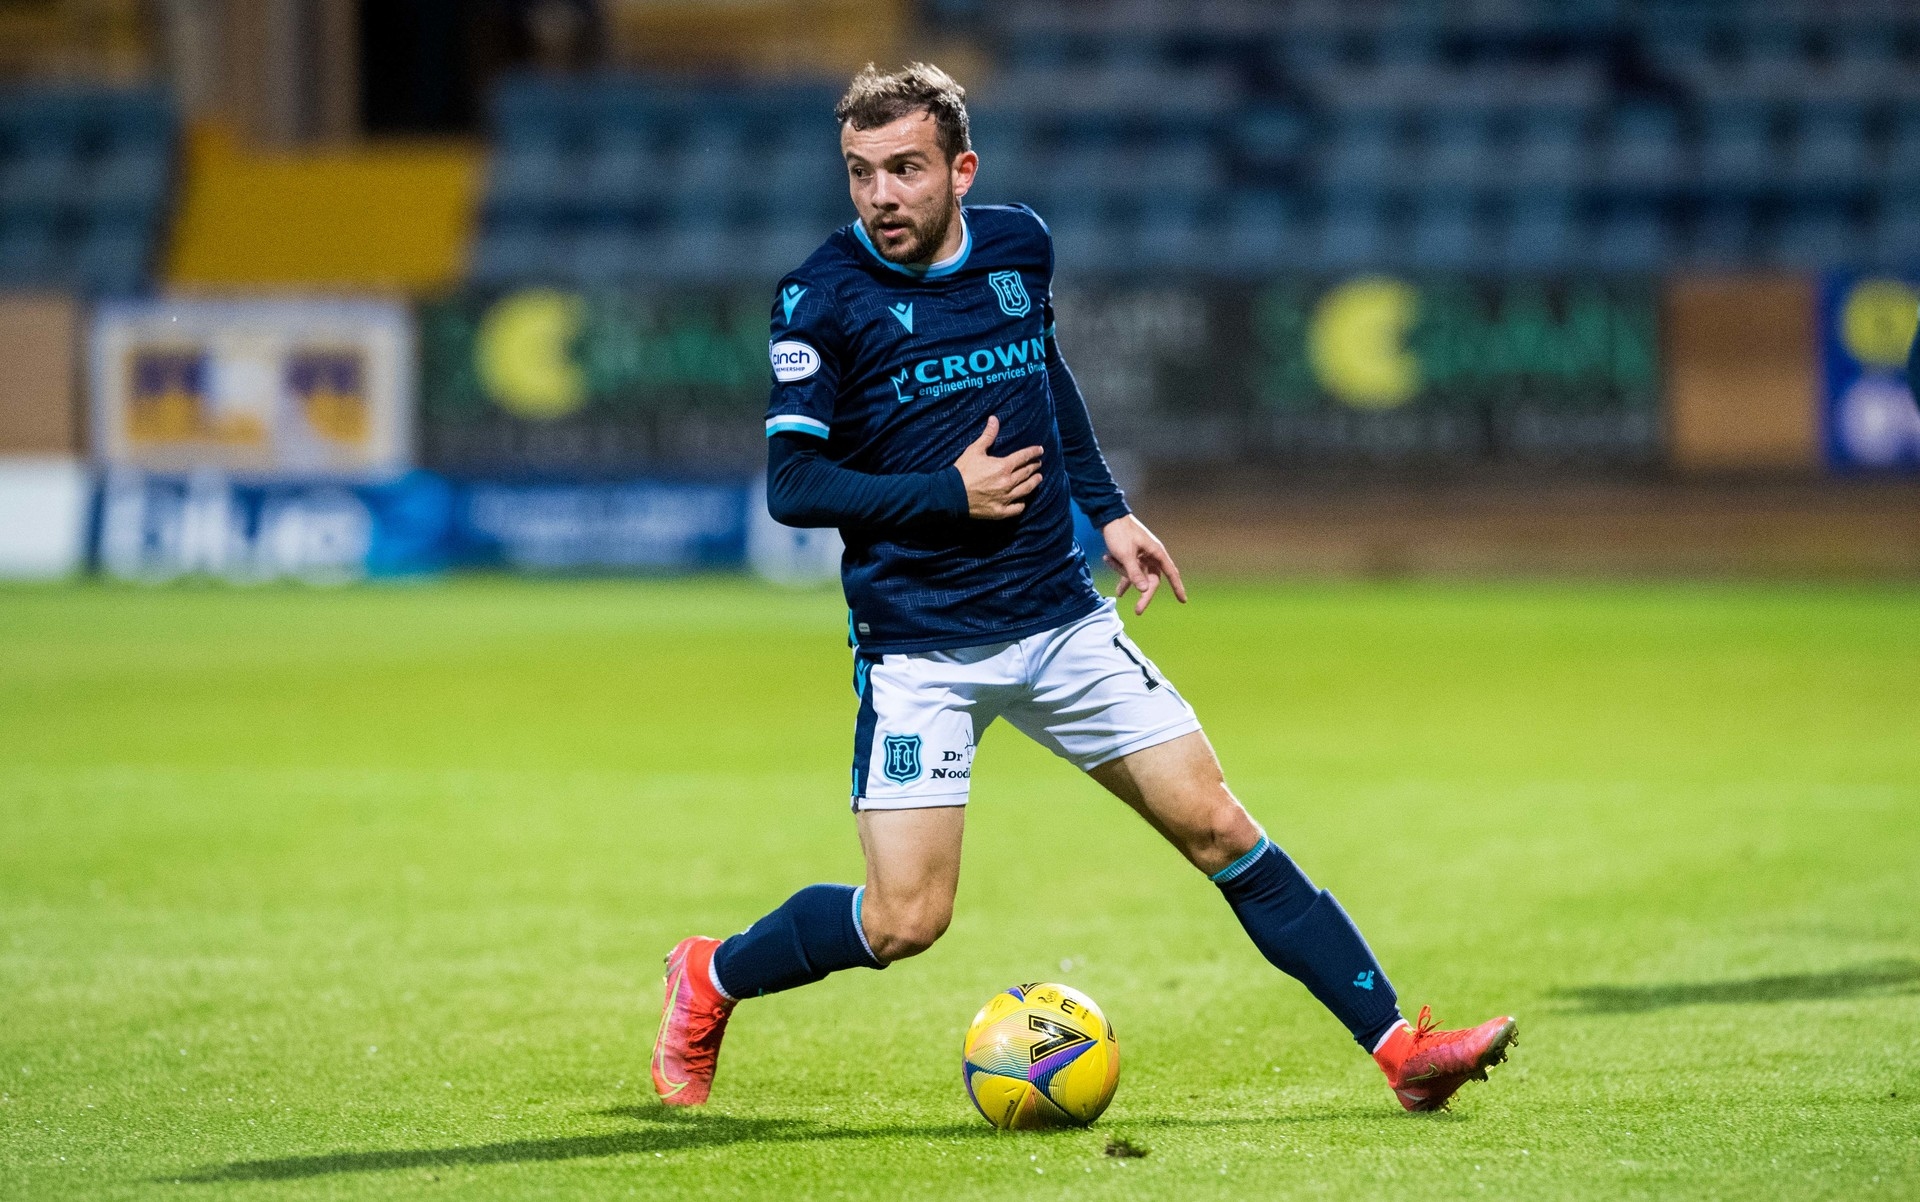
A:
x: 1088, y: 476
x: 804, y: 489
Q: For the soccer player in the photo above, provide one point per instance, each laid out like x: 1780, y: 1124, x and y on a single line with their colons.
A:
x: 920, y: 404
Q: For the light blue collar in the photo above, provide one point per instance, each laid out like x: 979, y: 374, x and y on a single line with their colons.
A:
x: 931, y: 271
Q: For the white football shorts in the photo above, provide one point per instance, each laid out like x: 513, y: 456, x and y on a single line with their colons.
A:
x: 1082, y: 690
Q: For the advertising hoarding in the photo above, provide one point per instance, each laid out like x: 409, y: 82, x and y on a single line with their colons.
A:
x: 1371, y: 371
x: 566, y: 382
x: 162, y: 527
x: 1344, y: 372
x: 623, y: 525
x: 259, y: 387
x: 1869, y: 419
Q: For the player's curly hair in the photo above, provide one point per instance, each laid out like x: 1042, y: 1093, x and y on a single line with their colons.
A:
x: 875, y: 98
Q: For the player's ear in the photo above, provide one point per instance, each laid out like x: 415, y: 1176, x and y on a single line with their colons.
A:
x: 964, y: 166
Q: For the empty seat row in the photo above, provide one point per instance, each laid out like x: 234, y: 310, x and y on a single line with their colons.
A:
x: 577, y: 110
x: 104, y: 258
x: 84, y: 181
x: 1459, y: 239
x: 133, y: 179
x: 60, y: 121
x: 756, y: 253
x: 1739, y: 146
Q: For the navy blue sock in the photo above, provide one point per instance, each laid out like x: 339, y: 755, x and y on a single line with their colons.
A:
x: 813, y: 933
x: 1304, y: 933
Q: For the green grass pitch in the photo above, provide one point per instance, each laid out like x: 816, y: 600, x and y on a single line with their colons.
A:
x: 312, y: 894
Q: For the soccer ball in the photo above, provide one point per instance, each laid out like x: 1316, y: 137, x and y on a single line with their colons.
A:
x: 1040, y: 1056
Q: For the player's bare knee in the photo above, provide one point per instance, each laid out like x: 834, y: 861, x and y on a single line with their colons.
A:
x: 1228, y: 833
x: 897, y: 933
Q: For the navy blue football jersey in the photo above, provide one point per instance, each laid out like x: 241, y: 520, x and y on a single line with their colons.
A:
x: 897, y: 369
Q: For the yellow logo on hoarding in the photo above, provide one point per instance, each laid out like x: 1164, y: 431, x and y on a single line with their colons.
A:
x: 1877, y: 321
x: 331, y: 387
x: 170, y: 401
x: 525, y: 354
x: 1357, y: 343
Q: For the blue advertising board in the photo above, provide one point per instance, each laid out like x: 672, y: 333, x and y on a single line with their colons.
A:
x: 1870, y: 422
x: 161, y: 527
x: 622, y: 525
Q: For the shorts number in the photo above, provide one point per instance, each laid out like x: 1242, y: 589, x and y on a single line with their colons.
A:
x: 1145, y: 675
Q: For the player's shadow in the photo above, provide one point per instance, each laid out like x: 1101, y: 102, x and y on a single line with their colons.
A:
x: 666, y: 1131
x: 1892, y: 976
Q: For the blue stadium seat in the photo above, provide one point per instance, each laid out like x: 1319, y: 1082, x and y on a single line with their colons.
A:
x: 1354, y: 235
x: 515, y: 251
x: 604, y: 254
x: 531, y: 177
x: 622, y: 175
x: 1896, y: 236
x: 1831, y: 148
x: 1271, y: 136
x: 1169, y: 237
x: 1628, y: 238
x: 45, y: 180
x: 1550, y: 150
x: 128, y: 180
x: 1458, y: 151
x: 1723, y: 236
x: 1089, y: 247
x: 1362, y: 152
x: 1263, y: 231
x: 29, y: 253
x: 1817, y: 238
x: 111, y: 258
x: 1641, y: 146
x: 1902, y: 155
x: 1737, y: 148
x: 1448, y: 235
x: 1538, y: 236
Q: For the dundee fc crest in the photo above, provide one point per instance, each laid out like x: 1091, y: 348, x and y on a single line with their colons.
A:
x: 903, y: 759
x: 1011, y: 293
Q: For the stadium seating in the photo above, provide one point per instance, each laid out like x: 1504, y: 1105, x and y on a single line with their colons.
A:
x: 84, y: 181
x: 1236, y: 136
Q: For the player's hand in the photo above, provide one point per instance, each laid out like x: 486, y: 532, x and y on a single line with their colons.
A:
x: 998, y: 488
x: 1142, y: 561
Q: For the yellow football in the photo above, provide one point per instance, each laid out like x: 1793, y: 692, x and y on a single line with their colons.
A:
x: 1040, y: 1056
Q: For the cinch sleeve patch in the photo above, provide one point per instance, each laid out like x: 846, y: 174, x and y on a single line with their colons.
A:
x: 793, y: 361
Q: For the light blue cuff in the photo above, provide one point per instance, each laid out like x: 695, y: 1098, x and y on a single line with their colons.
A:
x: 794, y: 423
x: 859, y: 894
x: 1242, y: 864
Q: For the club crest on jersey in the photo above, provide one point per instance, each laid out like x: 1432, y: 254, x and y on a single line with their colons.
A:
x: 1010, y: 292
x: 902, y: 763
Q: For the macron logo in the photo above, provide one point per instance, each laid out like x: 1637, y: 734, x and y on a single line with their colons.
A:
x: 789, y: 297
x: 903, y: 313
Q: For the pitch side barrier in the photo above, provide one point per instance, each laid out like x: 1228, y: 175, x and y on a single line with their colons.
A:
x: 548, y: 427
x: 1340, y: 372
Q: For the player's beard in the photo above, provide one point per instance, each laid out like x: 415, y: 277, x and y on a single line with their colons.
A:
x: 928, y: 235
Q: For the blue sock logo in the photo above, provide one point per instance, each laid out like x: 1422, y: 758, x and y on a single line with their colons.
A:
x: 1364, y: 981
